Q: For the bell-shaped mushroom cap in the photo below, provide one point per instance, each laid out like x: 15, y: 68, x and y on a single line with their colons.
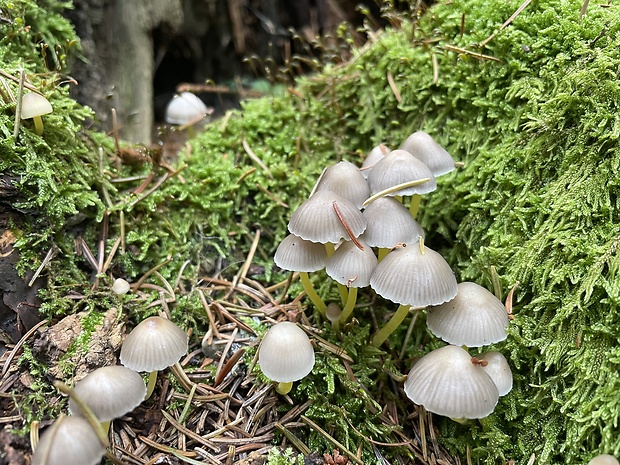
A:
x: 604, y: 459
x: 34, y: 104
x: 498, y: 369
x: 69, y: 440
x: 286, y: 354
x: 399, y: 167
x: 414, y: 275
x: 155, y: 344
x: 185, y: 108
x: 447, y: 382
x: 424, y: 148
x: 474, y: 318
x: 317, y: 220
x: 376, y: 154
x: 346, y: 180
x: 110, y: 392
x: 120, y: 286
x: 296, y: 254
x: 388, y: 223
x: 350, y: 265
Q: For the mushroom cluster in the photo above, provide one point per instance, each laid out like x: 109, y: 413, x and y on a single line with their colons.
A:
x: 110, y: 392
x: 359, y: 224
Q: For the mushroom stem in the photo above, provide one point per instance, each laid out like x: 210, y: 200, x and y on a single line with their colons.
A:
x: 391, y: 325
x: 314, y: 297
x: 38, y: 125
x: 151, y: 384
x: 414, y: 205
x: 284, y: 388
x: 348, y: 308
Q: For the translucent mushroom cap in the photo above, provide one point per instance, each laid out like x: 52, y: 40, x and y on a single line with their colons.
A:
x: 69, y: 440
x: 447, y: 382
x: 399, y: 167
x: 154, y: 344
x: 297, y: 254
x: 120, y: 286
x: 110, y: 392
x: 604, y: 459
x: 424, y: 148
x: 376, y: 154
x: 34, y: 104
x: 316, y: 219
x: 474, y: 318
x: 351, y: 266
x: 286, y: 354
x: 346, y: 180
x: 414, y: 275
x: 498, y: 369
x: 388, y: 223
x: 185, y: 108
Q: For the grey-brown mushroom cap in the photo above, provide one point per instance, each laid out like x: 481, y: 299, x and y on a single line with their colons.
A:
x: 446, y: 382
x: 316, y: 219
x: 408, y: 276
x: 375, y: 155
x: 297, y: 254
x: 350, y: 265
x: 474, y: 318
x: 110, y: 392
x: 499, y: 370
x: 422, y: 146
x: 69, y: 440
x: 388, y: 223
x: 399, y: 167
x: 154, y: 344
x: 286, y: 353
x: 346, y: 180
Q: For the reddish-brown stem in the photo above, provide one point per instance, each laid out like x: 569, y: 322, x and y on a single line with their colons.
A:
x: 346, y: 227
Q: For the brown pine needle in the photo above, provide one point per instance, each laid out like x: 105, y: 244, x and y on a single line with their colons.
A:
x: 506, y: 23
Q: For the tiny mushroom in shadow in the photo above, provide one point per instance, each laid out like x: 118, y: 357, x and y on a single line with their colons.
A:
x: 286, y: 355
x: 154, y: 344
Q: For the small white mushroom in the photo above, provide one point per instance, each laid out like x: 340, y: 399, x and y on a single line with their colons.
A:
x: 498, y: 369
x: 34, y: 106
x: 286, y: 355
x: 185, y: 108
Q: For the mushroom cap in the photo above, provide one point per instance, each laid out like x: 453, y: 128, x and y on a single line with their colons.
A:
x: 346, y: 180
x: 424, y: 148
x: 154, y: 344
x: 498, y: 369
x: 350, y: 265
x: 604, y: 459
x: 184, y: 108
x: 388, y: 223
x: 316, y: 220
x: 474, y: 318
x: 34, y: 104
x: 286, y: 354
x: 297, y: 254
x: 69, y: 440
x: 376, y: 154
x: 399, y: 167
x: 446, y: 382
x: 408, y: 276
x: 120, y: 286
x: 110, y: 392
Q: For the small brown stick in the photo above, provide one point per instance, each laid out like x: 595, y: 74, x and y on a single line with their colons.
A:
x: 43, y: 264
x: 478, y: 55
x: 18, y: 107
x: 508, y: 303
x: 20, y: 343
x: 479, y: 362
x: 255, y: 158
x: 146, y: 275
x: 207, y: 308
x: 271, y: 195
x: 243, y: 271
x: 507, y: 22
x: 228, y: 366
x: 583, y: 10
x: 395, y: 90
x: 346, y: 226
x: 335, y: 442
x: 224, y: 353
